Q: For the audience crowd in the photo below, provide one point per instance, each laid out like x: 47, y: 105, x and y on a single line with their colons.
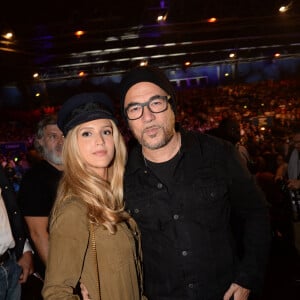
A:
x: 267, y: 113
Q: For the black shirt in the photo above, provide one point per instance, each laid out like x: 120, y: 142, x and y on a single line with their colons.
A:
x: 36, y: 196
x: 38, y: 189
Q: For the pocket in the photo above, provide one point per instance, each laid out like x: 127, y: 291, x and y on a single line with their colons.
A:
x: 211, y: 205
x: 148, y: 209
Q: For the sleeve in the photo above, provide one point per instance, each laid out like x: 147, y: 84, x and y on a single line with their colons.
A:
x: 27, y: 246
x: 250, y: 223
x: 69, y: 237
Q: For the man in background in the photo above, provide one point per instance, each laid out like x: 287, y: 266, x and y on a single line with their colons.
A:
x: 38, y: 187
x: 16, y: 262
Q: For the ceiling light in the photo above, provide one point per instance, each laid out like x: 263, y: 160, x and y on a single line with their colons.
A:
x: 79, y: 33
x: 8, y: 35
x: 285, y: 8
x: 143, y: 63
x: 212, y: 20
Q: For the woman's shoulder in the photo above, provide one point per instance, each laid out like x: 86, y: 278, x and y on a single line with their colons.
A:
x: 70, y: 225
x: 72, y: 212
x: 73, y: 205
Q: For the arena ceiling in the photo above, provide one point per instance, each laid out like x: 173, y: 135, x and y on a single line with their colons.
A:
x: 121, y: 34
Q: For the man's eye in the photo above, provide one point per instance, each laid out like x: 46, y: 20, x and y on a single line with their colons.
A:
x: 157, y: 102
x: 52, y: 137
x: 134, y: 108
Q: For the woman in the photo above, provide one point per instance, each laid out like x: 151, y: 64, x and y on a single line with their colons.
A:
x: 90, y: 203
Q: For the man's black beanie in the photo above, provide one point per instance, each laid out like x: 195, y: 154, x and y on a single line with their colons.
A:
x: 146, y: 74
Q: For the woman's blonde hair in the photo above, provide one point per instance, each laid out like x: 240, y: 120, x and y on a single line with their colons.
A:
x: 104, y: 198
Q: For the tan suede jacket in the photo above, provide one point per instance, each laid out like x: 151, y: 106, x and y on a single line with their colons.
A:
x: 71, y: 258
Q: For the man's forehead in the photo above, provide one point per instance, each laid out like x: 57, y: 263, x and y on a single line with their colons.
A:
x: 143, y: 90
x: 52, y: 128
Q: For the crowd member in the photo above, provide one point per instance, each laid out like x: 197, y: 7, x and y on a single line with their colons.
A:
x: 183, y: 188
x: 293, y: 169
x: 290, y: 174
x: 39, y: 186
x: 16, y: 262
x: 229, y: 129
x: 90, y: 204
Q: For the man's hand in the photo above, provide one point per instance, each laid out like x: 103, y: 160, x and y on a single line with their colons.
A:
x: 26, y: 263
x: 294, y: 184
x: 237, y: 292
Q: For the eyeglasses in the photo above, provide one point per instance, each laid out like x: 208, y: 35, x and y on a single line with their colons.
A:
x: 155, y: 104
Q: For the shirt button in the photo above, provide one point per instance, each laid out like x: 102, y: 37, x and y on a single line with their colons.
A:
x: 176, y: 217
x: 191, y: 285
x: 212, y: 194
x: 184, y: 253
x: 159, y: 185
x: 136, y: 210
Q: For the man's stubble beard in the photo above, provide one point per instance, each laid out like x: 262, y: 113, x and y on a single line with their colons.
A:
x: 167, y: 134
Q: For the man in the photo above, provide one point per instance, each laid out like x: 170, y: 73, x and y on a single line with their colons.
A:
x: 293, y: 170
x: 229, y: 129
x: 38, y: 187
x: 16, y: 262
x: 184, y: 189
x: 293, y: 185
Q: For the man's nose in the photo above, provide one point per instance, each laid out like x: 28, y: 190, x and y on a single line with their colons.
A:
x: 147, y: 114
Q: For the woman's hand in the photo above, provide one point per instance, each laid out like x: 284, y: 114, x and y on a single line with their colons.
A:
x: 84, y: 292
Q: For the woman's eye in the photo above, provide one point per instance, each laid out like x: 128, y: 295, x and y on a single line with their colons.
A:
x: 86, y: 133
x: 107, y: 132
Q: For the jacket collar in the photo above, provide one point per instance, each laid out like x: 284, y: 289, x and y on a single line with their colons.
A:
x: 136, y: 159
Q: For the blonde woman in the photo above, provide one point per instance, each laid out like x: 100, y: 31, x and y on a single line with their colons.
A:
x: 89, y: 204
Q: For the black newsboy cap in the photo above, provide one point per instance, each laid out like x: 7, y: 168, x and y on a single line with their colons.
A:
x: 83, y: 108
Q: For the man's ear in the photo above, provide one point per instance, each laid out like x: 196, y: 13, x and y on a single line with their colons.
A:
x: 41, y: 142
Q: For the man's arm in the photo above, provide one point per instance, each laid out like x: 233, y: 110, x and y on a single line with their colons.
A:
x: 251, y: 228
x: 38, y: 228
x: 281, y: 171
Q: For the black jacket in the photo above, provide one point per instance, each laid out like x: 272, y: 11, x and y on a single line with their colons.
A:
x: 190, y: 248
x: 16, y: 220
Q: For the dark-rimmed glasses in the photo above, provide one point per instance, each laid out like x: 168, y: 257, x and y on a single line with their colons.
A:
x: 156, y: 104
